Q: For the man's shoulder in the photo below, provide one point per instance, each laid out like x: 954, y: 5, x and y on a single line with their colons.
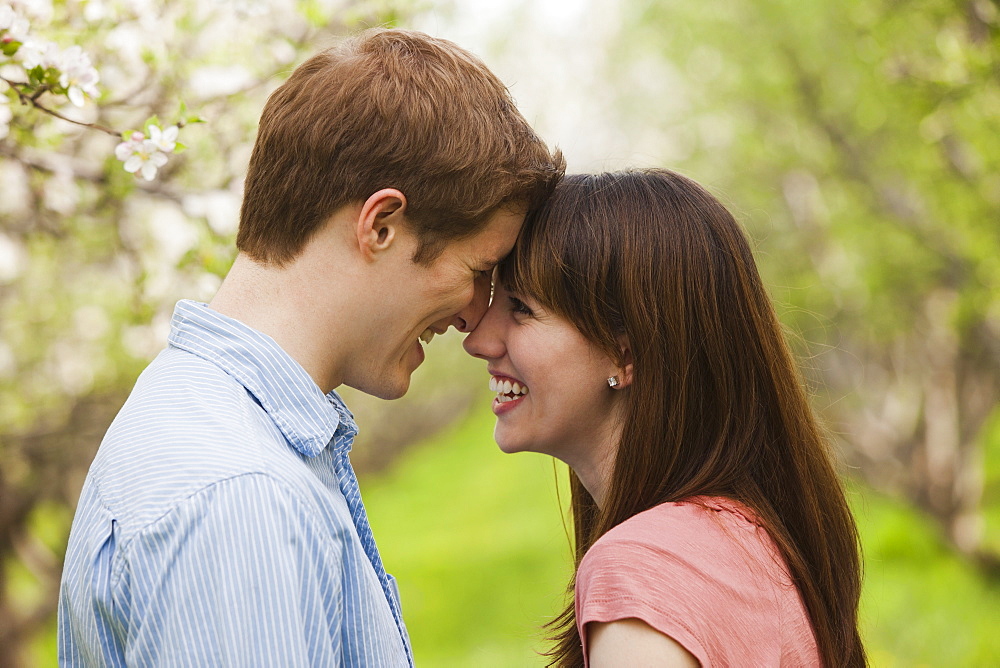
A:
x: 186, y: 426
x: 184, y: 402
x: 177, y: 374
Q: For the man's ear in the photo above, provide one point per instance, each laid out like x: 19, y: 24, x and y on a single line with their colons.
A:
x: 379, y: 221
x: 625, y: 371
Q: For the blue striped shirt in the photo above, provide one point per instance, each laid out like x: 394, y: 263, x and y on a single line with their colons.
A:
x: 221, y: 523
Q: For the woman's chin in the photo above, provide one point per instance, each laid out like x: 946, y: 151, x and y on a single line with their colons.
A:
x: 508, y: 444
x: 508, y: 449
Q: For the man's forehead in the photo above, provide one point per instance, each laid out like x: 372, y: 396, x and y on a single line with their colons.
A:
x: 504, y: 229
x: 487, y: 247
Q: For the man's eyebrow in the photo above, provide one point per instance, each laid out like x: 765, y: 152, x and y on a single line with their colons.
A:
x: 490, y: 262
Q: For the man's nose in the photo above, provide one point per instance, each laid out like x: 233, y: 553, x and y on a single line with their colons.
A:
x: 468, y: 318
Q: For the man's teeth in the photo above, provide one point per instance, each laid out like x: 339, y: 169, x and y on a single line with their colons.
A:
x: 504, y: 387
x: 426, y: 335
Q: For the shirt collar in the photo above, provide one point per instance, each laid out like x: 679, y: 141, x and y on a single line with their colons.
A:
x: 307, y: 418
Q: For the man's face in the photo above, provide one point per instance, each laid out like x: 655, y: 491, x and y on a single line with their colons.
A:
x: 420, y: 300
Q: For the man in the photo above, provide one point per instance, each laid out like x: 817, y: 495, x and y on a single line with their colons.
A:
x: 221, y: 522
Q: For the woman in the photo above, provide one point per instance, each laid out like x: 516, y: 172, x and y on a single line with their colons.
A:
x: 631, y: 337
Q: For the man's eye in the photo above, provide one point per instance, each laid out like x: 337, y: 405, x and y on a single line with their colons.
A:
x: 488, y: 275
x: 517, y: 306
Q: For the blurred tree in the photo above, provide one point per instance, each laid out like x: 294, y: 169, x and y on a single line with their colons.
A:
x: 861, y: 141
x: 93, y: 258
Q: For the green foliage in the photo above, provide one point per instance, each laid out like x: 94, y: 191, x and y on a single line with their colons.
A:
x: 991, y: 484
x: 9, y: 48
x: 857, y: 142
x: 867, y: 134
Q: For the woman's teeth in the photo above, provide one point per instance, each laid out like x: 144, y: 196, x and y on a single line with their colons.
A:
x: 426, y: 335
x: 506, y: 389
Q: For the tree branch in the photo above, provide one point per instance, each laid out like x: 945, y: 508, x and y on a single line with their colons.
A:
x: 32, y: 100
x: 93, y: 176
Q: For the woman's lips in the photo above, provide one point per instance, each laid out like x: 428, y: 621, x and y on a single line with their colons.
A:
x: 510, y: 393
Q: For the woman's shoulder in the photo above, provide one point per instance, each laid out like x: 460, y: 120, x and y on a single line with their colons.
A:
x: 704, y: 572
x: 696, y: 523
x: 712, y: 544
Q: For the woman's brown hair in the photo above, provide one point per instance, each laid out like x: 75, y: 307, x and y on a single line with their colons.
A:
x: 716, y: 406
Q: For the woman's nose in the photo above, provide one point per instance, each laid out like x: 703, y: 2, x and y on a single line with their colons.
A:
x: 486, y: 341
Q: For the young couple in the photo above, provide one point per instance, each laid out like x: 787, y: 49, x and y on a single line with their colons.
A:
x: 393, y: 187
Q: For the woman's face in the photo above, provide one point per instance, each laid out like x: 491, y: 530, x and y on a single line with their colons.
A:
x: 558, y: 401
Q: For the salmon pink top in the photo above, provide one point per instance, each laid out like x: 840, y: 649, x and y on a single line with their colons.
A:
x: 705, y: 573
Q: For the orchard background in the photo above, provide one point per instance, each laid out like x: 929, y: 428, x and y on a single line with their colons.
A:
x: 858, y: 142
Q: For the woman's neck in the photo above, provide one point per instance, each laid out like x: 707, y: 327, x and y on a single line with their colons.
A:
x: 595, y: 464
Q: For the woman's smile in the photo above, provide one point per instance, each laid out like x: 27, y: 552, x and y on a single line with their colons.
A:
x: 510, y: 393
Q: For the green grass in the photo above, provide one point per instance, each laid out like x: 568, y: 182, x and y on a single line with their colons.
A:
x: 476, y: 540
x: 922, y: 605
x: 477, y: 543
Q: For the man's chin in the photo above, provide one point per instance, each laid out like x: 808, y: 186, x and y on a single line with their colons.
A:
x: 395, y: 392
x: 388, y: 390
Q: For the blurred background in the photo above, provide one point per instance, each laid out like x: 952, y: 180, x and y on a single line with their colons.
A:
x: 857, y: 141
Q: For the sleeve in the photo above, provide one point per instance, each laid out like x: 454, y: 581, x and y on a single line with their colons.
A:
x: 621, y: 579
x: 238, y: 574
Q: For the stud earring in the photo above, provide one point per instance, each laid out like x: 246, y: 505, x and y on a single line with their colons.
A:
x: 613, y: 381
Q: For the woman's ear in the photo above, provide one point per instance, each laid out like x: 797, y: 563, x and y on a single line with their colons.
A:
x: 380, y: 218
x: 625, y: 371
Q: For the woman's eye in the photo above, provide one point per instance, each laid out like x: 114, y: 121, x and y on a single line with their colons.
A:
x: 517, y: 306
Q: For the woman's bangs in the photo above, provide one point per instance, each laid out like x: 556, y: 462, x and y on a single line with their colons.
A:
x: 533, y: 267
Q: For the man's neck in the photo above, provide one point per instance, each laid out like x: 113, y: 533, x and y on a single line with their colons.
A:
x: 292, y: 306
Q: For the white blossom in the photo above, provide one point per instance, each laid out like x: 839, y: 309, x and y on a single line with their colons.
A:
x: 14, y: 26
x: 36, y: 52
x: 95, y: 11
x: 39, y: 9
x: 147, y: 155
x: 146, y: 161
x: 77, y: 75
x: 125, y: 149
x: 6, y: 16
x: 164, y: 140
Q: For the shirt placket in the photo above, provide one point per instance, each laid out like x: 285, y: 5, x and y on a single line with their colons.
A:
x: 349, y: 486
